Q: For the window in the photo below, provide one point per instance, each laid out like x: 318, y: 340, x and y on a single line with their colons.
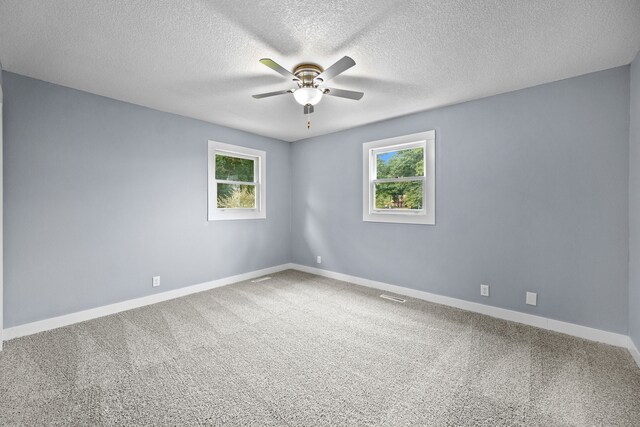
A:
x: 399, y: 179
x: 237, y: 184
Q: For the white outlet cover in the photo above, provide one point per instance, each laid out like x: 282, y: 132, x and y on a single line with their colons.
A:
x: 532, y: 298
x: 155, y: 281
x: 319, y: 259
x: 484, y: 290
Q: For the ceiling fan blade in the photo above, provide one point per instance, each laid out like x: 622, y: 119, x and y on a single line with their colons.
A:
x: 268, y: 94
x: 279, y: 69
x: 339, y: 67
x: 350, y: 94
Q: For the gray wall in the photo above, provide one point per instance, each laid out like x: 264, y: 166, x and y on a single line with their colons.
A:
x: 101, y: 195
x: 634, y: 205
x: 532, y: 194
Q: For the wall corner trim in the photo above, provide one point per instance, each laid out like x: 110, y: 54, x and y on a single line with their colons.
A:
x: 572, y: 329
x: 106, y: 310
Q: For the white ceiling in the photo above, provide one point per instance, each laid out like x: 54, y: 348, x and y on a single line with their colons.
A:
x: 200, y: 58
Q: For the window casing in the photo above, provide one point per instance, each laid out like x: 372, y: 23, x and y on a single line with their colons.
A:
x: 404, y: 192
x: 236, y: 182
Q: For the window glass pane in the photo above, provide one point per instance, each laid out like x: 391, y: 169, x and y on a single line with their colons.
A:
x: 399, y: 195
x: 234, y: 168
x: 236, y: 196
x: 400, y: 163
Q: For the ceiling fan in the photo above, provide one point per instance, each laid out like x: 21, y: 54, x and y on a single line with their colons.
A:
x: 310, y: 79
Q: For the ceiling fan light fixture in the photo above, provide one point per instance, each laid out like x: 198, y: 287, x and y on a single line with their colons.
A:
x: 307, y: 95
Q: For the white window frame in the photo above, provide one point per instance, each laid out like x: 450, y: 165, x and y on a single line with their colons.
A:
x: 426, y: 215
x: 1, y: 215
x: 259, y: 181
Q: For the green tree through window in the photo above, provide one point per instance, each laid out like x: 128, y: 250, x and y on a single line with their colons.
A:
x: 400, y: 164
x: 234, y: 193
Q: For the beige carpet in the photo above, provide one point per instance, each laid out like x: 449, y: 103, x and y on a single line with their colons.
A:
x: 301, y: 350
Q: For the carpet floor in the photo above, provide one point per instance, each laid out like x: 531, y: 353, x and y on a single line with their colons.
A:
x: 303, y: 350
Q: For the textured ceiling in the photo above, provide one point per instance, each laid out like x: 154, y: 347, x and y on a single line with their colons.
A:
x: 200, y: 58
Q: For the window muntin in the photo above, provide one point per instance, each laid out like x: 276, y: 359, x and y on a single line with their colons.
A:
x: 237, y: 187
x: 399, y: 179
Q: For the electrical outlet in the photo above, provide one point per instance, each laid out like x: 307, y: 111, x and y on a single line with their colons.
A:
x: 484, y: 290
x: 532, y: 298
x: 155, y: 281
x: 319, y: 259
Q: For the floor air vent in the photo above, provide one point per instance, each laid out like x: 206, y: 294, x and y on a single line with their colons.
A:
x: 262, y: 279
x: 392, y: 298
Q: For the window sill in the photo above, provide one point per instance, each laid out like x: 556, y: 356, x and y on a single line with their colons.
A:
x: 234, y: 216
x: 428, y: 219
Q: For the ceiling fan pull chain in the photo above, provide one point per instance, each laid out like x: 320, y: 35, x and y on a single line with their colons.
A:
x: 308, y: 122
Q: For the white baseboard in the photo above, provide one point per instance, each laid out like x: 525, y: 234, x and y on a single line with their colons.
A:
x: 634, y: 352
x: 579, y: 331
x: 105, y: 310
x: 501, y: 313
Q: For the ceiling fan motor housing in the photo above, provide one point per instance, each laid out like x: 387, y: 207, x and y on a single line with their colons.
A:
x: 307, y: 74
